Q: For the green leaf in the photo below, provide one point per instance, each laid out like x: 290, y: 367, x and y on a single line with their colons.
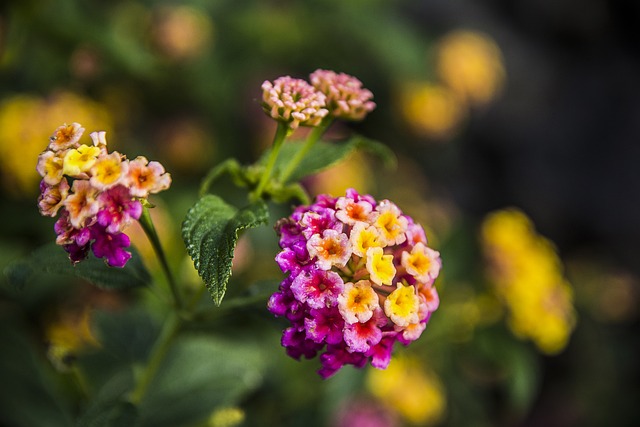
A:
x: 30, y: 394
x: 109, y: 407
x: 324, y: 154
x: 201, y: 373
x: 523, y: 378
x: 51, y: 259
x: 127, y: 335
x: 210, y: 232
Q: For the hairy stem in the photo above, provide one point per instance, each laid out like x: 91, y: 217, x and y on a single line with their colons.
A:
x: 278, y: 140
x: 169, y: 330
x: 313, y: 137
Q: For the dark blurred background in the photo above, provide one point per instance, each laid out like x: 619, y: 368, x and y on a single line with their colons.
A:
x: 551, y: 126
x: 562, y: 140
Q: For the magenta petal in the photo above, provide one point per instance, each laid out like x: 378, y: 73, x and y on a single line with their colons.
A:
x: 381, y: 353
x: 318, y: 288
x: 361, y: 336
x: 118, y: 209
x: 76, y: 252
x: 110, y: 246
x: 297, y: 345
x: 325, y: 325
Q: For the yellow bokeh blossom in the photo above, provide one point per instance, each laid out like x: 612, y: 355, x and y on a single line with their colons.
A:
x: 67, y: 335
x: 431, y: 110
x: 471, y: 65
x: 527, y: 276
x: 409, y: 389
x: 226, y: 417
x: 25, y: 130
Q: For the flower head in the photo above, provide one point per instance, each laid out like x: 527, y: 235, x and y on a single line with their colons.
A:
x: 363, y: 237
x: 358, y: 301
x: 317, y: 288
x: 350, y: 211
x: 104, y: 196
x: 293, y: 101
x: 332, y: 248
x: 82, y: 204
x: 50, y: 167
x: 66, y: 136
x: 118, y: 209
x: 52, y: 197
x: 402, y: 305
x: 79, y: 160
x: 110, y: 246
x: 145, y: 177
x: 391, y: 224
x: 361, y: 336
x: 380, y: 266
x: 346, y: 98
x: 348, y: 294
x: 108, y: 171
x: 422, y: 263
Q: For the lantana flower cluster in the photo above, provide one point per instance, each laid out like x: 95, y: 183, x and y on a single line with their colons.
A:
x: 96, y: 193
x: 361, y: 278
x: 300, y: 103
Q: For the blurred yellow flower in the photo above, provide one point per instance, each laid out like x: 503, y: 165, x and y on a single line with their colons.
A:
x: 25, y: 127
x: 226, y: 417
x: 67, y: 335
x: 410, y: 390
x: 431, y: 110
x: 471, y: 65
x: 527, y: 276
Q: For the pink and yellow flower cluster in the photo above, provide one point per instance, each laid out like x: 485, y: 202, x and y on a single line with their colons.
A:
x: 96, y: 193
x: 361, y: 278
x: 330, y: 94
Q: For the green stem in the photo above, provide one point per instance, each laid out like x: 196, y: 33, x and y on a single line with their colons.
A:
x: 150, y: 231
x: 313, y: 137
x: 230, y: 166
x: 81, y: 382
x: 169, y: 330
x: 278, y: 140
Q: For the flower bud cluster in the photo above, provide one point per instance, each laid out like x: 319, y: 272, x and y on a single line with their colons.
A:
x: 361, y: 278
x: 298, y: 103
x: 346, y: 98
x: 96, y: 193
